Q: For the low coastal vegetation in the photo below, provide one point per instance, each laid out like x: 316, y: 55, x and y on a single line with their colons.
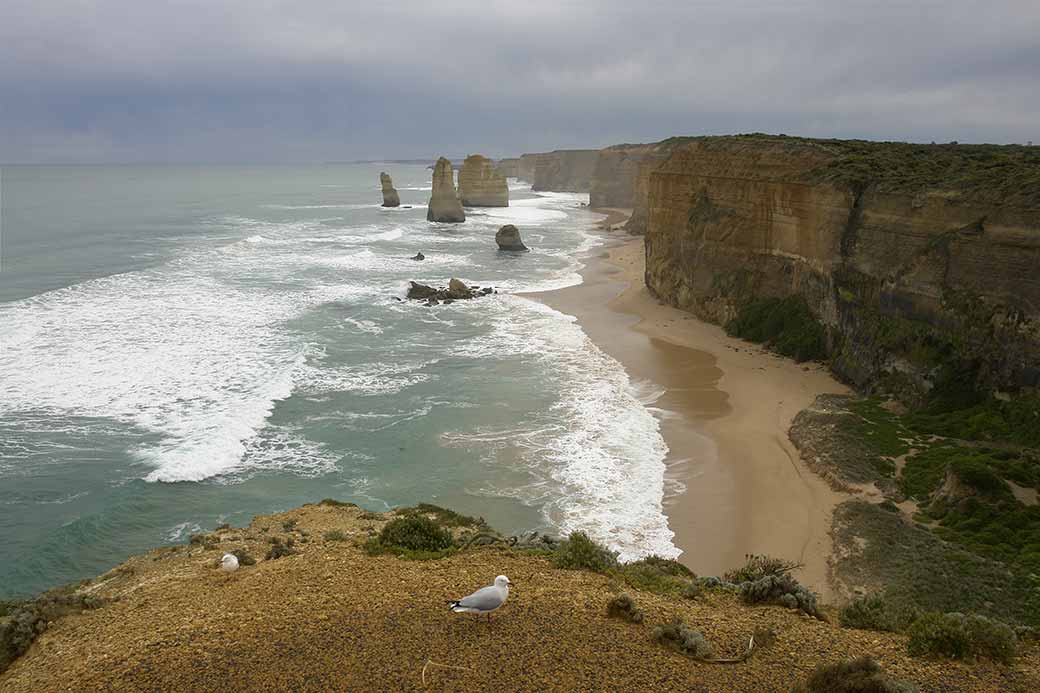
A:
x: 22, y: 622
x: 785, y: 325
x: 861, y: 675
x: 960, y: 636
x: 681, y: 638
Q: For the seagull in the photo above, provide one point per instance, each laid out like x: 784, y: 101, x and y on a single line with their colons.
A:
x: 229, y: 563
x: 485, y: 600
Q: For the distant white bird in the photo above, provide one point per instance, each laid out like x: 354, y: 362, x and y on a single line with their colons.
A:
x: 229, y: 563
x: 485, y: 600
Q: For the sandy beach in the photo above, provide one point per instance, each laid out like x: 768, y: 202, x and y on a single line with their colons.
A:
x: 736, y: 483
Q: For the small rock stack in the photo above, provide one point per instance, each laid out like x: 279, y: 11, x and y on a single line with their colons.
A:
x: 390, y: 196
x: 508, y: 238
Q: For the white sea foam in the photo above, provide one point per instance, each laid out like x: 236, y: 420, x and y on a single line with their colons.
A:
x: 184, y: 350
x: 597, y: 456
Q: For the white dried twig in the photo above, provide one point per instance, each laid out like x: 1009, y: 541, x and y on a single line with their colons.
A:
x: 438, y: 664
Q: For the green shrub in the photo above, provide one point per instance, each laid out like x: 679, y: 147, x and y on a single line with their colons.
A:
x: 280, y: 548
x: 335, y: 535
x: 677, y: 636
x: 26, y: 620
x: 861, y: 675
x: 206, y: 541
x: 957, y: 636
x: 780, y: 589
x: 336, y: 503
x: 757, y: 567
x: 656, y: 574
x: 289, y: 525
x: 579, y: 552
x: 415, y: 533
x: 243, y: 557
x: 785, y: 325
x: 443, y: 516
x: 624, y: 607
x: 693, y: 590
x: 874, y: 612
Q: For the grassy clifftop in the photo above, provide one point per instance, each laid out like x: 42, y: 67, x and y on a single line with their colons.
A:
x: 338, y: 608
x: 985, y: 173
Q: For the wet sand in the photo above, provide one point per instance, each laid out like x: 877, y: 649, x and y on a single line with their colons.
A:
x: 736, y: 483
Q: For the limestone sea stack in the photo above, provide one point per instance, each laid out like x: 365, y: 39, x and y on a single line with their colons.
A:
x: 390, y: 196
x: 481, y: 185
x: 444, y: 202
x: 508, y: 238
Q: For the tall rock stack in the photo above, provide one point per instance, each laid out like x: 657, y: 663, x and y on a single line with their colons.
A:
x: 390, y: 196
x: 444, y: 202
x: 480, y: 185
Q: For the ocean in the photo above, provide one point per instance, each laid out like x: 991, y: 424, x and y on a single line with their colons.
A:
x: 182, y: 346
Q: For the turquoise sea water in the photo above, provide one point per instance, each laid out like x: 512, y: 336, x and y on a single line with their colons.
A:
x: 184, y: 346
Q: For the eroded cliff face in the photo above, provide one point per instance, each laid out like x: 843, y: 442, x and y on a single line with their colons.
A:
x: 480, y: 185
x: 528, y: 163
x: 566, y: 170
x: 508, y: 168
x: 614, y: 176
x: 906, y: 284
x: 622, y: 176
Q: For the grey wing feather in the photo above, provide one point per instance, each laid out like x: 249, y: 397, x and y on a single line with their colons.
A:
x: 485, y: 599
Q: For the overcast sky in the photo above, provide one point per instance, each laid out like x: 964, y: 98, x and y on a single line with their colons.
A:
x: 260, y: 80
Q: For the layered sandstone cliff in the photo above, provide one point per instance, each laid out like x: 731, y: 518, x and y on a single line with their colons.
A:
x: 529, y: 162
x: 565, y: 170
x: 390, y: 196
x: 444, y: 201
x: 480, y: 185
x: 508, y: 168
x: 621, y: 177
x: 913, y: 259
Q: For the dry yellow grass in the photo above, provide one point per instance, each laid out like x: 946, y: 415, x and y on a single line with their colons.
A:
x: 333, y: 618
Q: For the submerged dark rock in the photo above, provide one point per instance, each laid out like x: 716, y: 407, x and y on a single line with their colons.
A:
x: 508, y: 238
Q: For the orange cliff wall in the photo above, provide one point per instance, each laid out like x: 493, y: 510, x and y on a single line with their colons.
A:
x: 887, y: 273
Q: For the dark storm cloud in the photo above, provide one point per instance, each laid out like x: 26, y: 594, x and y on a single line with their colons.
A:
x: 270, y: 81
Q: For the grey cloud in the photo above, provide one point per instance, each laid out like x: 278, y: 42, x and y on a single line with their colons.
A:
x: 269, y: 81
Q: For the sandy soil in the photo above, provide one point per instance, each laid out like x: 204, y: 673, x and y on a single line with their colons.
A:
x: 727, y: 407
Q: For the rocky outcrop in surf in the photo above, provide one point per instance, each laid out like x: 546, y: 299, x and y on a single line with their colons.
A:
x: 508, y: 238
x: 444, y: 201
x: 480, y: 185
x: 455, y: 291
x: 390, y: 196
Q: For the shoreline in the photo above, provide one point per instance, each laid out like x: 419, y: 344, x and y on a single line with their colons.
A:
x: 735, y: 484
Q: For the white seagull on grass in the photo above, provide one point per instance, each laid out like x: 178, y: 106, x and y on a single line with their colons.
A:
x: 485, y: 600
x: 229, y: 563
